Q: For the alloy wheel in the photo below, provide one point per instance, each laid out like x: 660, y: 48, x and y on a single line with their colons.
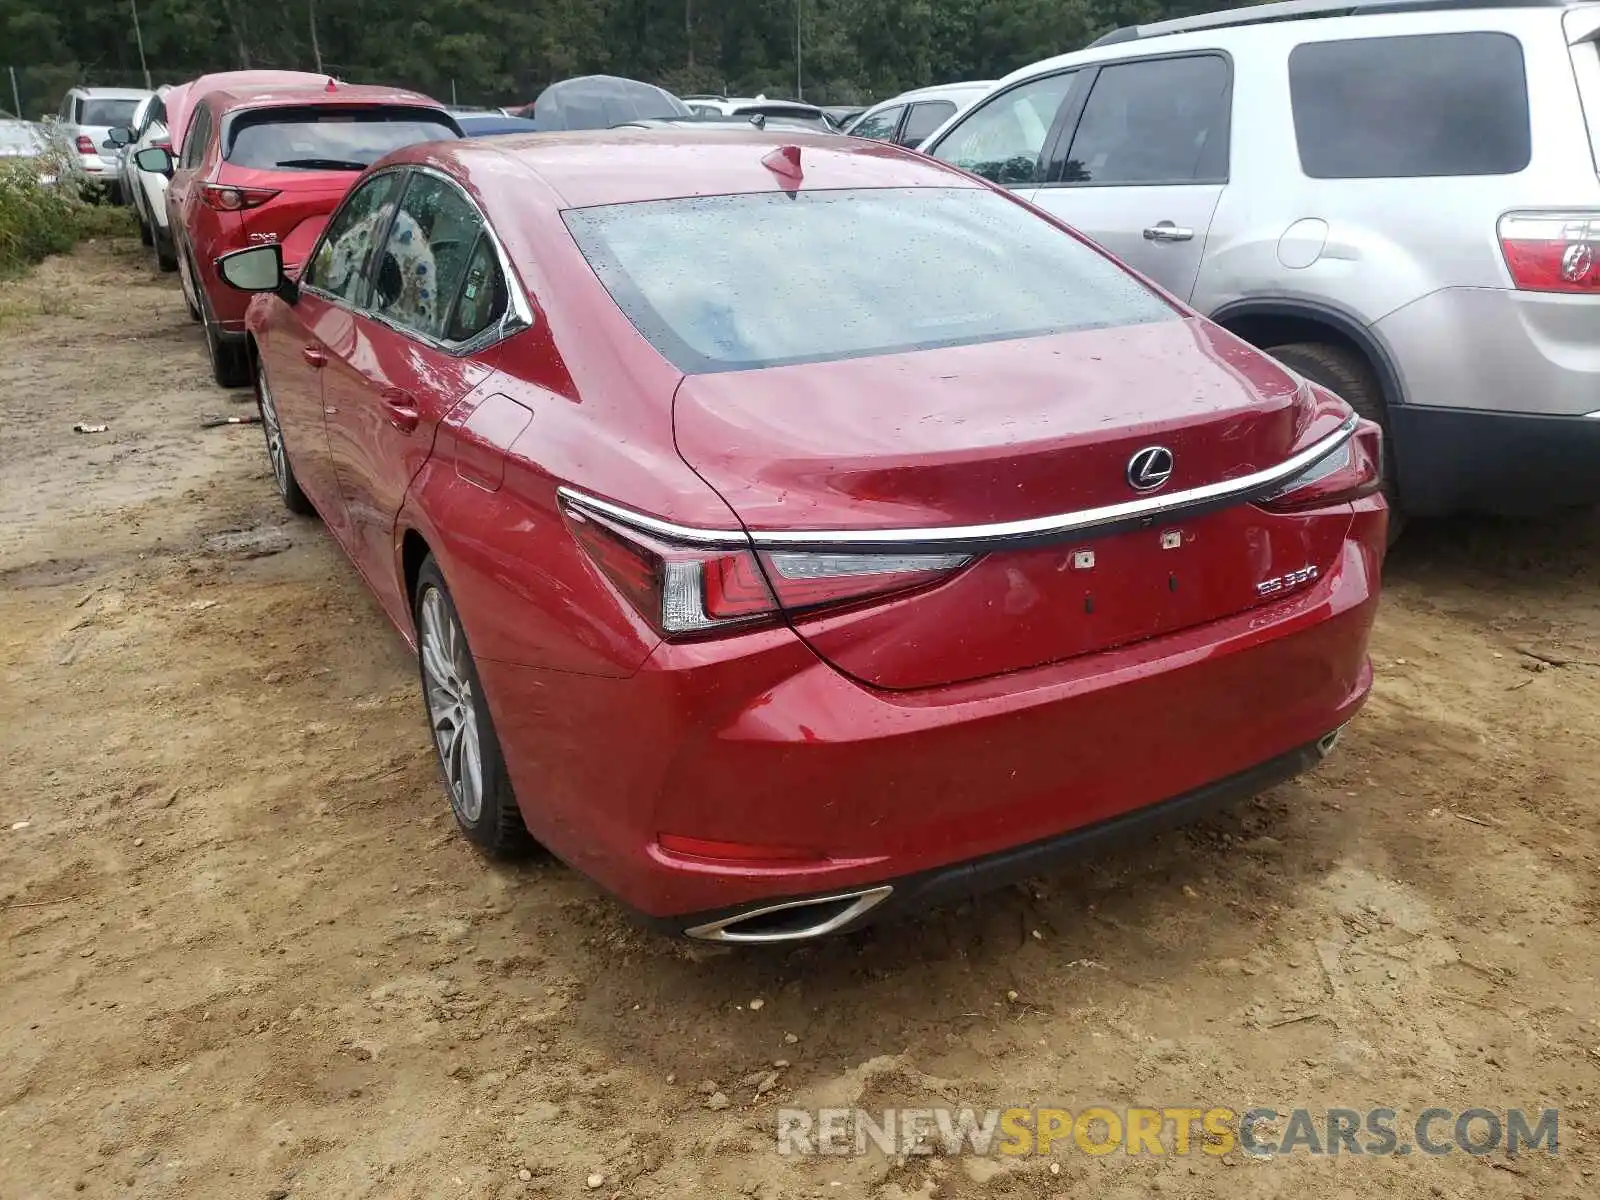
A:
x: 452, y: 712
x: 274, y: 431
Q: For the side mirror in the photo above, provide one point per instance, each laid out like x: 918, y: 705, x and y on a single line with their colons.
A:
x: 155, y: 159
x: 258, y: 269
x: 119, y: 135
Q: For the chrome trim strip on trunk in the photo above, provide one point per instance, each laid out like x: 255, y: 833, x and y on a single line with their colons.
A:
x: 1089, y: 522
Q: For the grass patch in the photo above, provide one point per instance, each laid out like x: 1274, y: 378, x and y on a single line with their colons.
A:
x: 39, y: 218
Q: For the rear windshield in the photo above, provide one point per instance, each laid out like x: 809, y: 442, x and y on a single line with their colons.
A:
x: 106, y: 112
x: 724, y: 283
x: 335, y: 138
x: 1402, y: 107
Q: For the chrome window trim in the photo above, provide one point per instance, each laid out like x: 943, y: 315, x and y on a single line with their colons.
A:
x: 1089, y: 522
x: 519, y: 310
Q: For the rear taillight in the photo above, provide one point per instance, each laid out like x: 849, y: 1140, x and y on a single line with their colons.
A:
x: 1350, y: 472
x: 225, y: 198
x: 167, y: 146
x: 85, y: 144
x: 1553, y: 252
x: 685, y: 591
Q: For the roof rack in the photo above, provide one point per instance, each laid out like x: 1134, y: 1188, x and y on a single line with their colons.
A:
x: 1306, y: 10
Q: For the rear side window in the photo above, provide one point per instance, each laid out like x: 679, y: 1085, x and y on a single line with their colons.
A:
x: 724, y: 283
x: 331, y: 138
x: 1403, y: 107
x: 425, y: 259
x: 340, y: 265
x: 880, y: 126
x: 1162, y: 120
x: 198, y: 137
x: 923, y: 119
x: 1003, y: 138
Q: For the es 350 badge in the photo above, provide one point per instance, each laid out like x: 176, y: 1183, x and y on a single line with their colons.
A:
x: 1288, y: 582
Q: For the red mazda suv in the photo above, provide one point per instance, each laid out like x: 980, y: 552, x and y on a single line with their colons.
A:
x: 267, y: 163
x: 795, y: 529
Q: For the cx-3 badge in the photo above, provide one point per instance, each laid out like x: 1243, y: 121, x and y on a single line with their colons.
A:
x: 1150, y: 468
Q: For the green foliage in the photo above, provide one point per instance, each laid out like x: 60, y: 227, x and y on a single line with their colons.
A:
x: 44, y: 210
x: 496, y: 52
x: 36, y: 217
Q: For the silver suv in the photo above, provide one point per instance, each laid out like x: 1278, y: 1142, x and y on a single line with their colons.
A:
x: 87, y: 117
x: 1398, y: 198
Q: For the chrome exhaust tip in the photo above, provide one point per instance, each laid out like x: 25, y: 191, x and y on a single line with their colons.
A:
x: 793, y: 920
x: 1328, y: 741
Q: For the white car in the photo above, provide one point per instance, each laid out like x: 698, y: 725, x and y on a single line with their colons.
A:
x: 909, y: 118
x: 793, y: 112
x: 146, y: 191
x: 88, y: 115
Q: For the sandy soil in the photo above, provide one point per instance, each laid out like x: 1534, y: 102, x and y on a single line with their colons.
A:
x: 245, y: 954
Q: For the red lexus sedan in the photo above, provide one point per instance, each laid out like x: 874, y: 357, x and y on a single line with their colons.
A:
x: 794, y: 530
x: 267, y: 162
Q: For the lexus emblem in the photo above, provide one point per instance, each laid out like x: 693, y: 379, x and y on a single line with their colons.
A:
x: 1150, y: 468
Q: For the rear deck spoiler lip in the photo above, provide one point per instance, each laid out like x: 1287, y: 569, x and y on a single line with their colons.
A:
x: 979, y: 539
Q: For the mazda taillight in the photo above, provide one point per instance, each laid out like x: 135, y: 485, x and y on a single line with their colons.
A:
x: 688, y: 591
x: 225, y: 198
x: 85, y: 144
x: 1553, y: 252
x: 1353, y: 470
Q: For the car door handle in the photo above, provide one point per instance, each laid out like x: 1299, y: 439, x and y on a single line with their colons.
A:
x: 1166, y: 231
x: 314, y: 357
x: 401, y: 409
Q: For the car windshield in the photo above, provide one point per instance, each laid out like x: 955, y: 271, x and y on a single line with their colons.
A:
x: 724, y: 283
x: 107, y: 112
x: 334, y: 138
x: 18, y: 138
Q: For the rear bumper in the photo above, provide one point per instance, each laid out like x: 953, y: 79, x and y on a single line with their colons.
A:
x: 1452, y: 460
x: 758, y: 742
x: 952, y: 884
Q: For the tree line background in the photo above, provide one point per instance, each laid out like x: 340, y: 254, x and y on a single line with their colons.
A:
x: 494, y: 52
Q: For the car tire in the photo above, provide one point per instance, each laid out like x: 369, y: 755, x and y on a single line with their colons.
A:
x: 186, y: 281
x: 166, y: 257
x: 1348, y: 376
x: 146, y: 238
x: 289, y: 491
x: 230, y: 362
x: 458, y: 719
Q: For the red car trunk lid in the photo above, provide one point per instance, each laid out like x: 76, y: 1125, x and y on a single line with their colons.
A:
x: 1011, y: 431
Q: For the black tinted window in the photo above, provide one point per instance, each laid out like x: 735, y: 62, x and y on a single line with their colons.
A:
x: 1435, y: 104
x: 194, y: 142
x: 334, y: 138
x: 482, y: 299
x: 721, y: 283
x: 923, y: 119
x: 1164, y: 120
x: 107, y: 112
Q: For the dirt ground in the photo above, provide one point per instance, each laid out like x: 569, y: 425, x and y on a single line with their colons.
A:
x: 246, y: 955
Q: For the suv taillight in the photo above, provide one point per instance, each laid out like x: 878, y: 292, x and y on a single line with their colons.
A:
x: 1352, y: 471
x: 686, y: 591
x: 85, y: 144
x: 224, y: 198
x: 1553, y: 252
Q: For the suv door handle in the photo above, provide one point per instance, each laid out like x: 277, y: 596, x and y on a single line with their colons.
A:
x: 401, y: 409
x: 1166, y: 231
x: 314, y: 357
